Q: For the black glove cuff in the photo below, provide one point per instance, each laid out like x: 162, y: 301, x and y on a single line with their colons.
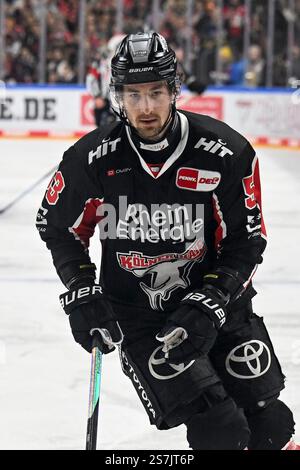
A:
x: 77, y: 274
x: 82, y: 295
x: 209, y: 302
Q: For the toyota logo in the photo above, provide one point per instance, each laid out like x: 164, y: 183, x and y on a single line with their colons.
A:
x: 249, y: 360
x: 165, y: 371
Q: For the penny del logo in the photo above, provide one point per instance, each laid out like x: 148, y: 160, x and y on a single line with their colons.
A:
x: 194, y: 179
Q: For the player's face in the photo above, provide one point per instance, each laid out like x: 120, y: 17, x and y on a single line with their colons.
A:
x: 147, y: 107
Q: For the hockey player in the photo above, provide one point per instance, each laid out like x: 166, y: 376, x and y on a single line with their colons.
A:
x: 98, y: 80
x: 94, y: 80
x: 177, y: 199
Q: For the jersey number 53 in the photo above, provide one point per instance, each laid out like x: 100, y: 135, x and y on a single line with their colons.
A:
x: 55, y: 187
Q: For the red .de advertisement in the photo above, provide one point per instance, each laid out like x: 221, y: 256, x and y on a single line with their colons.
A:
x: 87, y: 110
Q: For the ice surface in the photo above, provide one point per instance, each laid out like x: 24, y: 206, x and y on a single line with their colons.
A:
x: 44, y: 375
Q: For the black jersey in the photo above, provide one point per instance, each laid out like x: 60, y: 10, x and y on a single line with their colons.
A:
x: 161, y: 231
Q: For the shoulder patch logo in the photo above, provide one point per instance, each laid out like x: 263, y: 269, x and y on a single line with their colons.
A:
x: 193, y: 179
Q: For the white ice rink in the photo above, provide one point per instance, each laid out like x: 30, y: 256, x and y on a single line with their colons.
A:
x: 44, y: 374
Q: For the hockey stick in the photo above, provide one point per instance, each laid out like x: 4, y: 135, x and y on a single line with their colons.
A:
x: 95, y: 381
x: 28, y: 190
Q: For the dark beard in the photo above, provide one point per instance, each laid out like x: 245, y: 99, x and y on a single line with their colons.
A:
x: 157, y: 133
x: 145, y: 135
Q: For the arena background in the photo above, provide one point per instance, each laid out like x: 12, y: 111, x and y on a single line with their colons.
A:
x: 247, y: 53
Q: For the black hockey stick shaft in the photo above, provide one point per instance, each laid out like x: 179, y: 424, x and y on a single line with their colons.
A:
x: 28, y: 190
x: 95, y: 382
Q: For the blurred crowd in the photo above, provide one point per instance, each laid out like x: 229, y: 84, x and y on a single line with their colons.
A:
x: 213, y: 59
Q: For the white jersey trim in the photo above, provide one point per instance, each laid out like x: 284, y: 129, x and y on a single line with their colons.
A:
x: 221, y: 221
x: 175, y: 155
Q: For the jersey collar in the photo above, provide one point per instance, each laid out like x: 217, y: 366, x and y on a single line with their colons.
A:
x: 174, y: 156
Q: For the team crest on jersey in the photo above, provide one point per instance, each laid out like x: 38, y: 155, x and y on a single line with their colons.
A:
x: 168, y: 272
x: 194, y: 179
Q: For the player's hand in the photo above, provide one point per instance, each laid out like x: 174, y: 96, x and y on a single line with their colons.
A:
x: 88, y: 310
x: 192, y: 329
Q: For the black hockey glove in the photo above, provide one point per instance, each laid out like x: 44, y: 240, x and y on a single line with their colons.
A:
x: 192, y: 329
x: 88, y: 310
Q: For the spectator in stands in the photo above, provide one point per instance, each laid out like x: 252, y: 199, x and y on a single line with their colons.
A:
x: 254, y: 67
x: 22, y: 35
x: 206, y: 26
x: 296, y: 61
x: 225, y: 59
x: 65, y: 73
x: 24, y: 67
x: 234, y: 17
x: 295, y: 71
x: 98, y: 80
